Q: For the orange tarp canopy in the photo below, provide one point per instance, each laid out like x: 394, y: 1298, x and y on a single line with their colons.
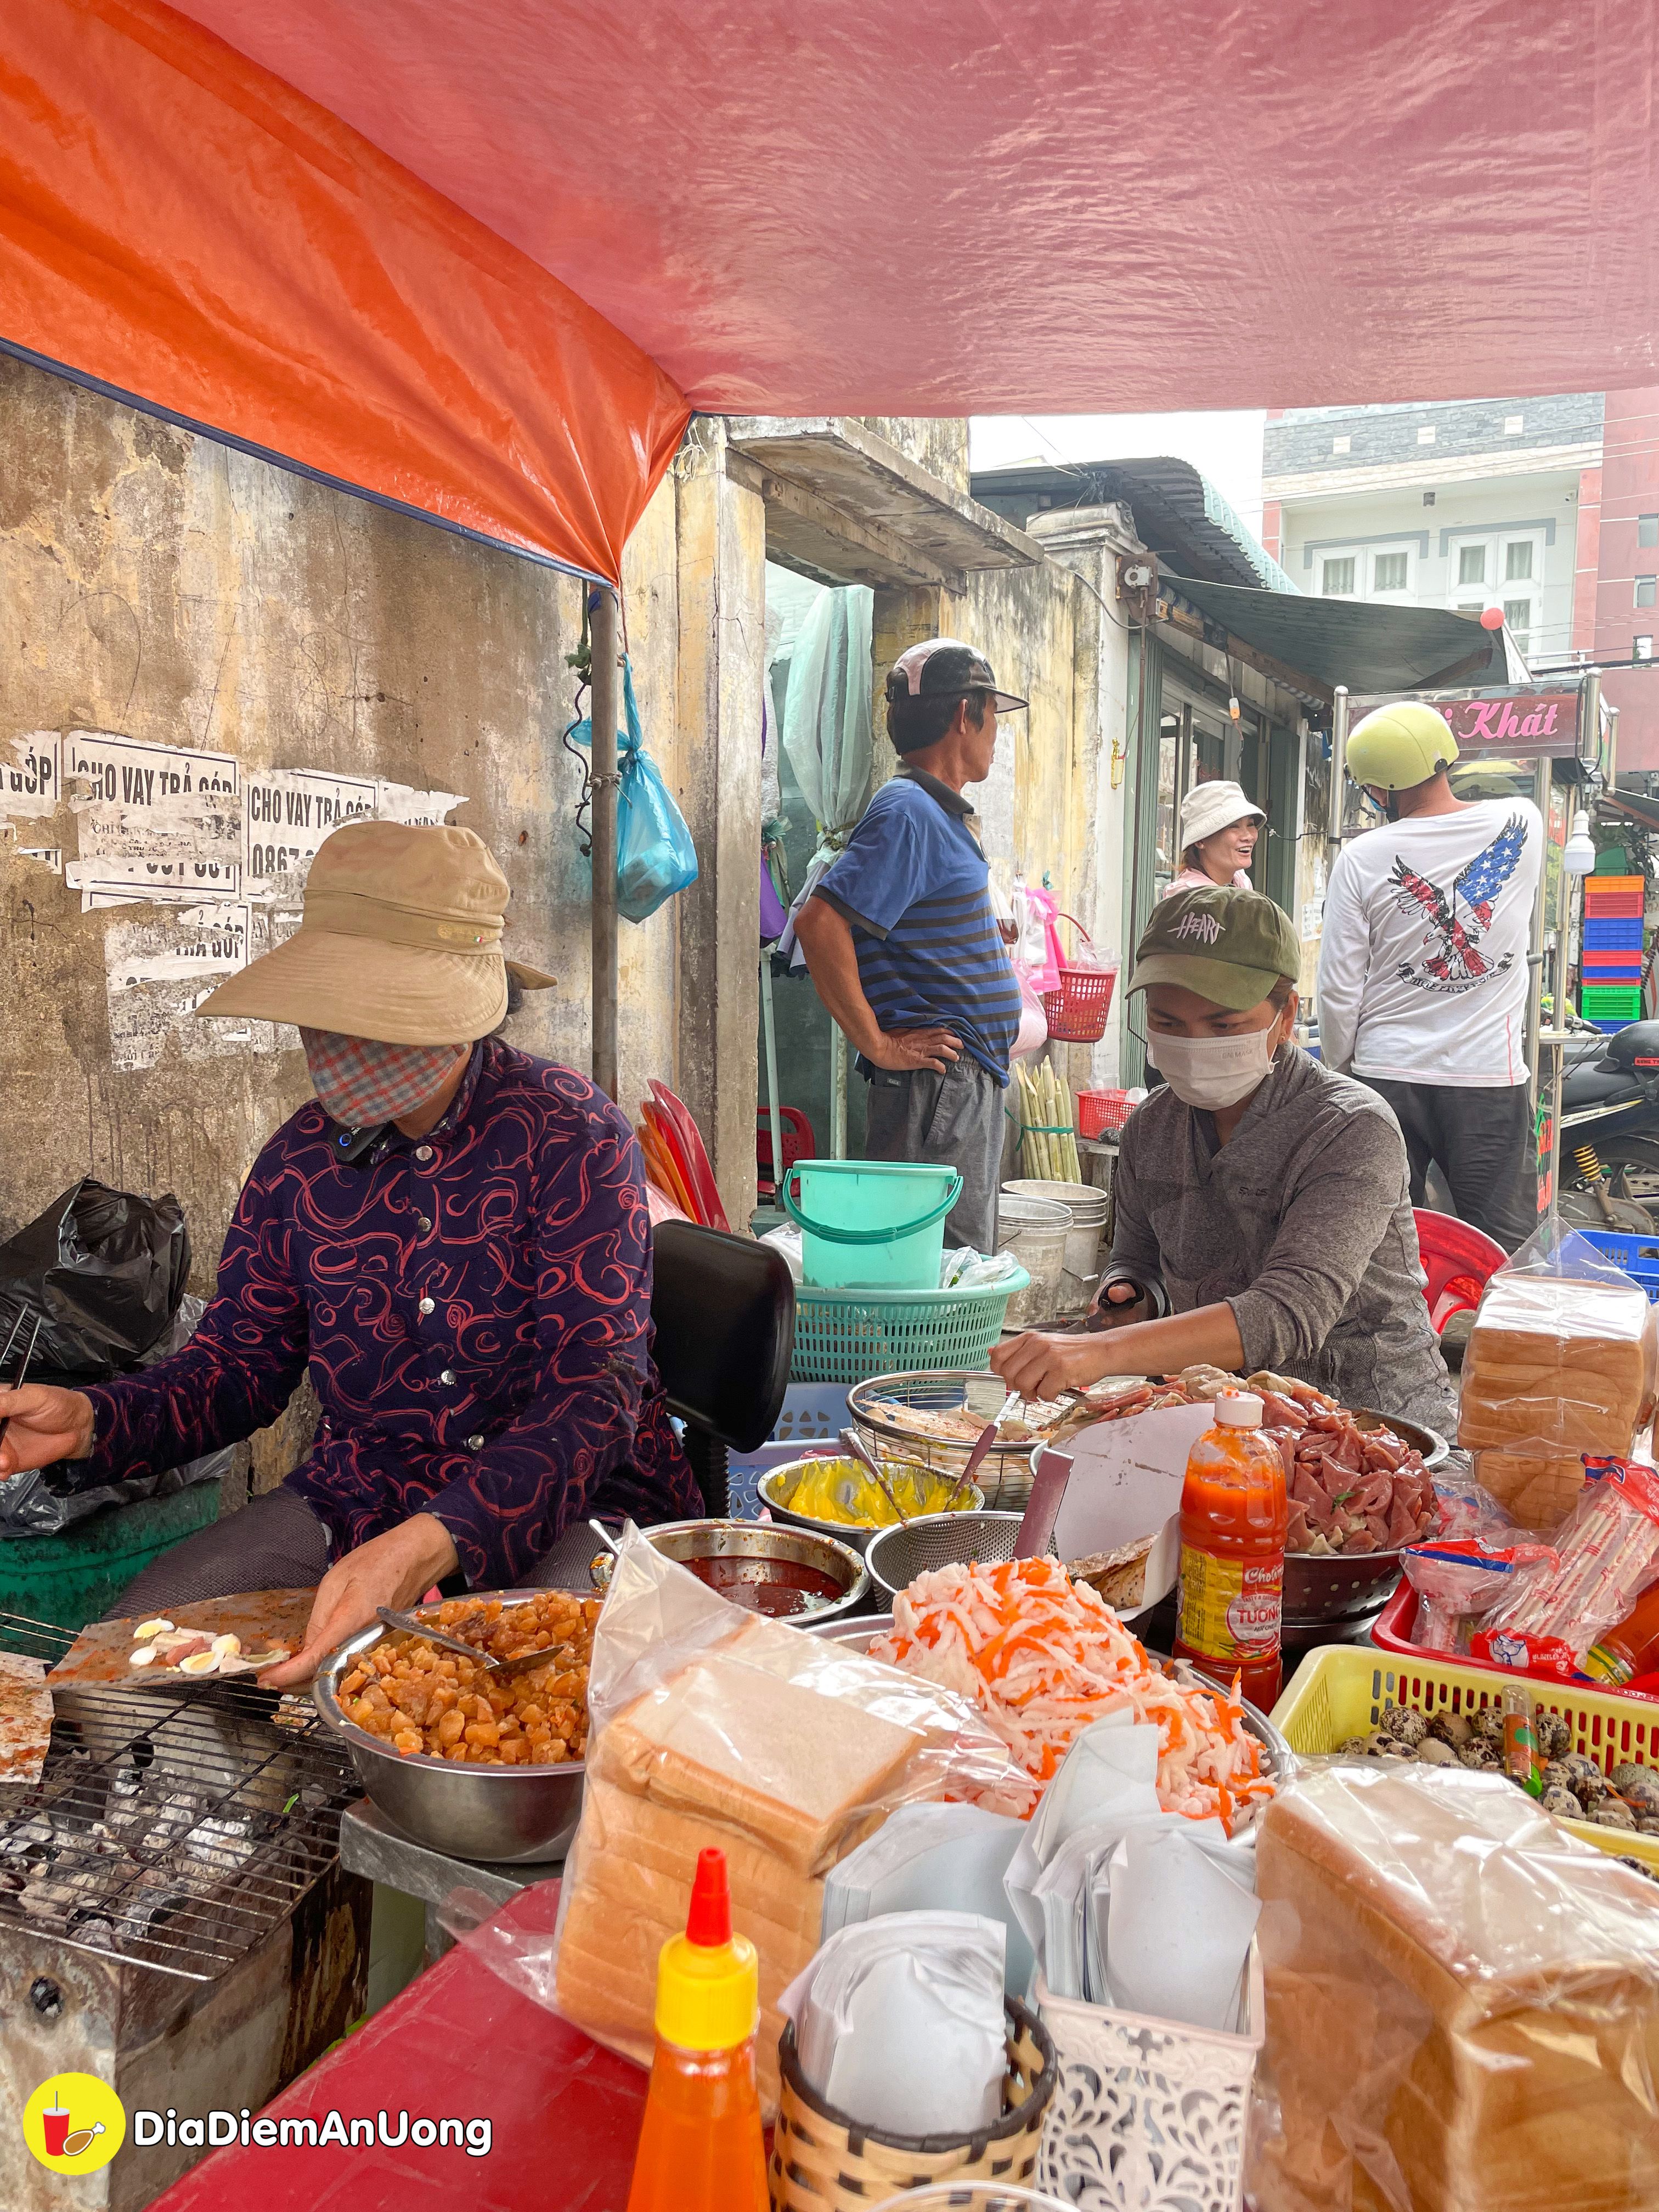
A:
x: 179, y: 227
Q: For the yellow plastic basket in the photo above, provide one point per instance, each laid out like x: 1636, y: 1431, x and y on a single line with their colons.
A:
x: 1341, y: 1692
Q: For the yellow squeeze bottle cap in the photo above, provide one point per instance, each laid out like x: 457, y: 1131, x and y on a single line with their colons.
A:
x: 707, y: 1979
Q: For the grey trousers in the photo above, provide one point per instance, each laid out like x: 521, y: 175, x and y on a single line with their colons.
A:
x: 276, y: 1542
x: 956, y: 1119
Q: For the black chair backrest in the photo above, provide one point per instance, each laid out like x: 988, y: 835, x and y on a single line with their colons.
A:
x: 725, y: 1312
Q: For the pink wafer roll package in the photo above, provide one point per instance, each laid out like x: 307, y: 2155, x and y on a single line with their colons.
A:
x: 1605, y: 1556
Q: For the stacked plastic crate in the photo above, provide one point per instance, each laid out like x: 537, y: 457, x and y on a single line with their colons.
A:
x: 1612, y: 992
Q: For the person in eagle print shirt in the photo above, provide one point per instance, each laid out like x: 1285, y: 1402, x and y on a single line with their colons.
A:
x: 1422, y: 973
x: 451, y: 1239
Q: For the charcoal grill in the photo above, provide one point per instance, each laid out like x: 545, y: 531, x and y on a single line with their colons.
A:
x: 174, y: 1916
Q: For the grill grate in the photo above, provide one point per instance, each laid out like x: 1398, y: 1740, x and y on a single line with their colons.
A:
x: 174, y: 1828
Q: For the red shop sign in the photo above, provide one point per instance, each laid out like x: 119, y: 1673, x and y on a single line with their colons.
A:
x: 1534, y: 723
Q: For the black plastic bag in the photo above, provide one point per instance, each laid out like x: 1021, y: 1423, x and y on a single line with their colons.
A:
x: 105, y: 1270
x: 46, y: 1500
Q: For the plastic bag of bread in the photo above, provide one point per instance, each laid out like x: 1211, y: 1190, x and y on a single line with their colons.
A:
x: 711, y: 1725
x: 1560, y: 1362
x: 1463, y: 2003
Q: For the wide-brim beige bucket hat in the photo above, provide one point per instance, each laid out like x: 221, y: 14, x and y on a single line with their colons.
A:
x: 400, y: 940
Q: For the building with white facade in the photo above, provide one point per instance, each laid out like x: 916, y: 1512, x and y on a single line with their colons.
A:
x: 1458, y: 504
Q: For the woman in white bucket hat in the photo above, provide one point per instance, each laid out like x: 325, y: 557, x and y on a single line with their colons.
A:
x: 1219, y: 829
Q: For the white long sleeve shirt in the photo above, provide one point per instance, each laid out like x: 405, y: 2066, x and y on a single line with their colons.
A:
x: 1423, y: 957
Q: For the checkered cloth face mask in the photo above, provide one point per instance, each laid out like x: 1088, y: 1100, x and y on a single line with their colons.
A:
x: 361, y: 1081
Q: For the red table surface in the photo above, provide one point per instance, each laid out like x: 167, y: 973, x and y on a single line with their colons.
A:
x: 459, y: 2043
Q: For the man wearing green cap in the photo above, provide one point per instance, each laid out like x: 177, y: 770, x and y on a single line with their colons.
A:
x: 1263, y: 1217
x: 1423, y: 975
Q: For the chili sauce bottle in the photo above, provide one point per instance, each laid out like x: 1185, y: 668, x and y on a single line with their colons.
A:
x: 1234, y: 1517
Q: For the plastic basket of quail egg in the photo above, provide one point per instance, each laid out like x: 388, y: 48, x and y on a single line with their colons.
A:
x: 1597, y: 1752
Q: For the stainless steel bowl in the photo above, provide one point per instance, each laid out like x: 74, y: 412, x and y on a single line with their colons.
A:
x: 1280, y: 1758
x: 857, y: 1539
x: 1004, y: 1473
x: 517, y: 1815
x: 896, y: 1556
x: 761, y: 1540
x: 1434, y: 1450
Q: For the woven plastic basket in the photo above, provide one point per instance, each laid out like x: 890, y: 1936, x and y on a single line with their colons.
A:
x: 1341, y: 1691
x: 823, y: 2161
x: 845, y: 1336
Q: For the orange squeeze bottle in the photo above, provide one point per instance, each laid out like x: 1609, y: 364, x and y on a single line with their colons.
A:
x: 1234, y: 1517
x: 1630, y: 1648
x: 702, y: 2147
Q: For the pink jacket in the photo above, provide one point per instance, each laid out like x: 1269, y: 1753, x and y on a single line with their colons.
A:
x: 1195, y: 879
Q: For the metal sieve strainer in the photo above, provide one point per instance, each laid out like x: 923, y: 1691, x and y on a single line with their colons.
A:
x: 897, y: 1556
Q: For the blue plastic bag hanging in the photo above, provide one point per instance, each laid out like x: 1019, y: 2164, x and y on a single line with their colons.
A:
x: 655, y: 855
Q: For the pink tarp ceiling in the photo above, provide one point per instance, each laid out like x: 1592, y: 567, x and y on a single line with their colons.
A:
x: 946, y: 206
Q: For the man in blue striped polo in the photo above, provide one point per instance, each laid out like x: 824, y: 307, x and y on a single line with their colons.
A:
x: 903, y: 945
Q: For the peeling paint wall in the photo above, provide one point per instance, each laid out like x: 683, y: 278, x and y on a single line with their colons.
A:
x: 938, y: 443
x: 157, y: 586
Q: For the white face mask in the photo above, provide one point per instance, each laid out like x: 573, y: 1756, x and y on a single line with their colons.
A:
x: 1214, y: 1072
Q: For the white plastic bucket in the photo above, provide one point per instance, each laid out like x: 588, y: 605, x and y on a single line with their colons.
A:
x: 1087, y: 1209
x: 1034, y: 1230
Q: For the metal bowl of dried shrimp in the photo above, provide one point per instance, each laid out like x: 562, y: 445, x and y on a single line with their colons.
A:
x: 504, y: 1782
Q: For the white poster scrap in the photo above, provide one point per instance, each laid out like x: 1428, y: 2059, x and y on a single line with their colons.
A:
x: 218, y: 855
x: 159, y: 968
x: 400, y: 802
x: 29, y: 782
x: 287, y: 813
x: 152, y: 817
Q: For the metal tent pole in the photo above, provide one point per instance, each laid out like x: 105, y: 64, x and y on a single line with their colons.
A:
x: 602, y: 707
x: 1337, y: 807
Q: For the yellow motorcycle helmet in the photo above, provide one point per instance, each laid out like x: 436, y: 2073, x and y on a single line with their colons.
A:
x: 1395, y: 747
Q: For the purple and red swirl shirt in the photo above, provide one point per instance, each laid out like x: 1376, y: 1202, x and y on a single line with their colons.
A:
x: 475, y: 1311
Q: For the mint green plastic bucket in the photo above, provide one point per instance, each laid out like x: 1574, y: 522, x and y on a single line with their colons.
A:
x: 870, y: 1225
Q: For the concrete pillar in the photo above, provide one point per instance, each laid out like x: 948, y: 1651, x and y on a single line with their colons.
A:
x: 1088, y: 541
x: 722, y: 640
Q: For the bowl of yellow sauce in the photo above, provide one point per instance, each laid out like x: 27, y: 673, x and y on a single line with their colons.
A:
x: 835, y: 1496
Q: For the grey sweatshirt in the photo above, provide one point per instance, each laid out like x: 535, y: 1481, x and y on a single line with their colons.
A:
x: 1302, y: 1223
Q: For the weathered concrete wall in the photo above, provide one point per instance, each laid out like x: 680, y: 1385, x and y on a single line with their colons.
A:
x: 156, y: 585
x: 939, y: 442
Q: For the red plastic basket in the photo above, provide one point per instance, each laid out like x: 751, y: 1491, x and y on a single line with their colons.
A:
x: 1391, y: 1631
x: 1077, y: 1013
x: 1102, y: 1113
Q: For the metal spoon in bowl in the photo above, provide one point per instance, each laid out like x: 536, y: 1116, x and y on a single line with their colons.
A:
x: 520, y: 1664
x: 854, y: 1443
x: 982, y: 1443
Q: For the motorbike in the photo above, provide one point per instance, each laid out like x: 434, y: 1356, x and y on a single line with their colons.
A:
x: 1610, y: 1174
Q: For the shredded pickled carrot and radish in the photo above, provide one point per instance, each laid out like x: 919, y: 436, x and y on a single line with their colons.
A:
x: 1042, y: 1656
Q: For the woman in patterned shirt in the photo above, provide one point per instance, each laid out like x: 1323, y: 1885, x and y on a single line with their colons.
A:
x: 451, y: 1239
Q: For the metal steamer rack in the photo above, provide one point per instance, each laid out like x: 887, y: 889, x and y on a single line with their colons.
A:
x: 175, y: 1830
x: 1004, y: 1474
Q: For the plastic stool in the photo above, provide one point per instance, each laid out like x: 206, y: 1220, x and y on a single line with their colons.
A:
x: 1458, y: 1262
